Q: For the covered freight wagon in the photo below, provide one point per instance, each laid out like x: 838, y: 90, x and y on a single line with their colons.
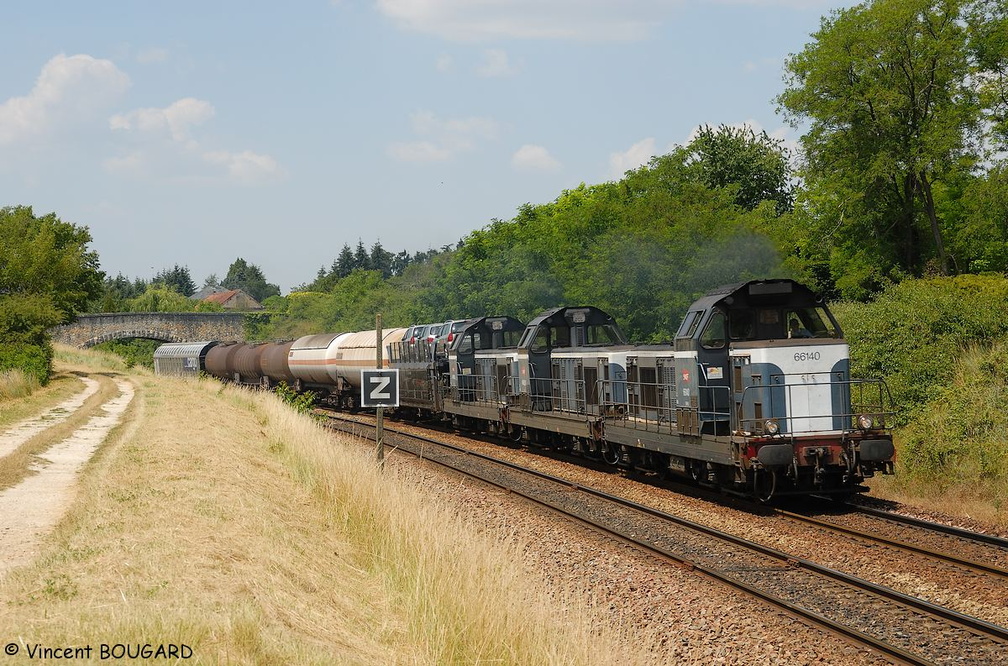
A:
x: 181, y: 358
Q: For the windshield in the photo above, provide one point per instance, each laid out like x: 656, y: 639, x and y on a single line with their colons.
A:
x: 777, y: 323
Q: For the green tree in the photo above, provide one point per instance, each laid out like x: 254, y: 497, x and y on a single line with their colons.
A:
x: 47, y: 275
x: 756, y: 164
x: 362, y: 260
x: 250, y: 279
x: 344, y: 263
x: 177, y: 278
x: 887, y: 89
x: 988, y: 25
x: 115, y: 292
x: 381, y: 259
x: 159, y: 298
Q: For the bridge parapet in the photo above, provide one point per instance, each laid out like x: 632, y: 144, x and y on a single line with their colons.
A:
x: 91, y: 329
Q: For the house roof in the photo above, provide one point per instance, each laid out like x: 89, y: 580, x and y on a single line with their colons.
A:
x: 222, y: 297
x: 206, y: 291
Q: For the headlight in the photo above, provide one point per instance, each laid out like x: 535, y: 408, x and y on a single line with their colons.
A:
x: 771, y: 427
x: 865, y: 422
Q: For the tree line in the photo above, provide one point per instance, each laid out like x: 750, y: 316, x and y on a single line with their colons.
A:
x: 171, y: 288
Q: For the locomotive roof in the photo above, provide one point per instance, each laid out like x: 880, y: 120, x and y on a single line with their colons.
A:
x: 488, y: 326
x: 573, y: 317
x: 757, y: 292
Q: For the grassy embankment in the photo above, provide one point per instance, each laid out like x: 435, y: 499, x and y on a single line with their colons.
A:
x: 942, y: 346
x: 223, y: 520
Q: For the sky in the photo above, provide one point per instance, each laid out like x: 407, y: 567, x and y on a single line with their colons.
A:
x: 192, y: 133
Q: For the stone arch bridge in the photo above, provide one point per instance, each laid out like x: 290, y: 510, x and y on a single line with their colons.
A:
x: 92, y: 329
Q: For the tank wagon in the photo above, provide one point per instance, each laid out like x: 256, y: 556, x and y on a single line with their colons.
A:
x: 330, y: 365
x: 754, y: 394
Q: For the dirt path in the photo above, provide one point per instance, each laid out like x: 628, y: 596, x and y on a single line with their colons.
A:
x: 19, y: 433
x: 30, y: 509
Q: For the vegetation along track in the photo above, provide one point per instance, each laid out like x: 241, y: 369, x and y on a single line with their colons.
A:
x: 900, y: 626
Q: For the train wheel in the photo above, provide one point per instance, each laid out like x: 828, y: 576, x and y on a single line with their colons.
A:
x: 697, y: 471
x: 610, y: 453
x: 764, y: 484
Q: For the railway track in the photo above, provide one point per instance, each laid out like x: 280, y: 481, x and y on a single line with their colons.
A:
x: 971, y: 551
x: 901, y: 627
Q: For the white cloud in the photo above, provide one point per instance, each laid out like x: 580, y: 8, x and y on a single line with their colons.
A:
x: 589, y: 20
x: 441, y: 140
x: 495, y: 63
x: 129, y: 164
x: 444, y: 63
x: 246, y: 167
x: 170, y: 149
x: 534, y: 158
x: 71, y: 91
x: 465, y: 20
x: 636, y: 156
x: 176, y: 119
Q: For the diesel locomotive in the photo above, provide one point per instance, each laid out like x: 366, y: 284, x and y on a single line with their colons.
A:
x: 754, y: 395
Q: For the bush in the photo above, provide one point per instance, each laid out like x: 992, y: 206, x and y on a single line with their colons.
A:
x: 303, y: 403
x: 961, y: 439
x: 35, y: 361
x: 134, y: 351
x: 914, y: 333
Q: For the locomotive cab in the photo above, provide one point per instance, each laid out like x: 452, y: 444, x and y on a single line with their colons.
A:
x: 541, y: 374
x: 478, y: 358
x: 765, y: 364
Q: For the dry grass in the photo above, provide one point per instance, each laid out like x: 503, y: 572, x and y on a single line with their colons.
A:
x: 16, y: 384
x: 220, y: 519
x: 93, y: 359
x: 960, y: 501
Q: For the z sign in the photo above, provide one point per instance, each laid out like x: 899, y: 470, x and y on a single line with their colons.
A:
x: 380, y: 388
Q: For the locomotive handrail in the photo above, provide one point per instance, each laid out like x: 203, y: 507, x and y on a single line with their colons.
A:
x: 572, y: 396
x: 769, y: 394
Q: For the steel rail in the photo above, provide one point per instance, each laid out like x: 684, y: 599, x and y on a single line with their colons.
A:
x: 900, y: 545
x: 980, y: 537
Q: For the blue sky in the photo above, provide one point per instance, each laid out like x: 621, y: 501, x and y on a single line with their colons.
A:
x: 193, y: 133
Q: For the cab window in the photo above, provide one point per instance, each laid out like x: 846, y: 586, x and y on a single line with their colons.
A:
x: 542, y: 340
x: 815, y: 322
x: 742, y: 325
x: 713, y: 336
x: 689, y: 324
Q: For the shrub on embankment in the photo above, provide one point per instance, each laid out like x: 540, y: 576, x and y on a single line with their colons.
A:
x: 941, y: 344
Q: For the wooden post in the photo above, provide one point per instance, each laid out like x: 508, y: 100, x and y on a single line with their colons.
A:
x: 380, y: 412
